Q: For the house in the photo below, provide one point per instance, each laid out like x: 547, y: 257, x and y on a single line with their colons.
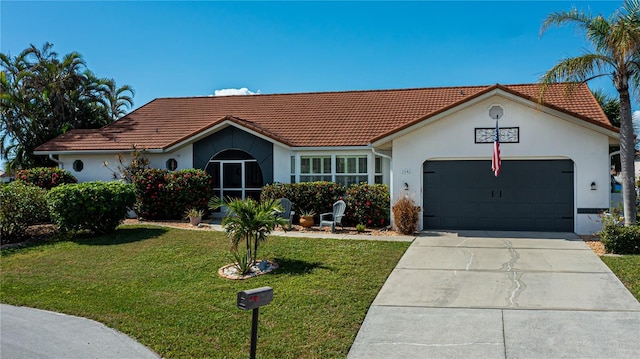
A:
x: 432, y: 144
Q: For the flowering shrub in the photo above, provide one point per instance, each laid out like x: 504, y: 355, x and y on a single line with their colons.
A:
x: 367, y: 204
x: 21, y: 205
x: 95, y: 206
x: 45, y: 177
x: 306, y: 196
x: 161, y: 194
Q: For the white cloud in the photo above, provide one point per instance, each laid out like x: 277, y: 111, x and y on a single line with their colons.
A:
x: 235, y: 92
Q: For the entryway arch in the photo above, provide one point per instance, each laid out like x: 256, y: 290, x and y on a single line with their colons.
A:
x: 236, y: 174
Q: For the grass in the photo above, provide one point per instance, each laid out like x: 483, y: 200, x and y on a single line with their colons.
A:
x: 627, y: 268
x: 161, y: 286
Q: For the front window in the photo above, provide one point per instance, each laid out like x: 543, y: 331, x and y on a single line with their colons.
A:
x: 351, y: 169
x: 315, y: 168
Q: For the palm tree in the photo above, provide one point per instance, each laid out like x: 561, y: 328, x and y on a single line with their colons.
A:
x: 616, y: 54
x: 610, y: 105
x: 119, y: 99
x: 250, y: 221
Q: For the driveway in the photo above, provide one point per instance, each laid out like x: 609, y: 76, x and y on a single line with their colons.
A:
x: 477, y: 294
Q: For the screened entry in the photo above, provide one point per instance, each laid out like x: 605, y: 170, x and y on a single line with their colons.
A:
x: 236, y: 174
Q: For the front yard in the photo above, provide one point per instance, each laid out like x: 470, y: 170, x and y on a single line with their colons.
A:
x: 627, y: 268
x: 160, y: 286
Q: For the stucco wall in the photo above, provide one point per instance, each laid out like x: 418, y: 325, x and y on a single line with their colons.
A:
x: 95, y: 171
x: 542, y: 136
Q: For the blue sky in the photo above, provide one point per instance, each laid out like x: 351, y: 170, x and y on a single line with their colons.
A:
x: 194, y: 48
x: 166, y: 49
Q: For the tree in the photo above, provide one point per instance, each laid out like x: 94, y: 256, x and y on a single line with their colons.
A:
x: 615, y: 53
x: 43, y: 95
x: 250, y: 221
x: 610, y: 105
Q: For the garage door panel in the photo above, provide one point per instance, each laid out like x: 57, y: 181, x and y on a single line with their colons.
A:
x: 528, y: 195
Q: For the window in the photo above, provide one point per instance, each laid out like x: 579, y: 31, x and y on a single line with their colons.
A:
x: 378, y: 170
x: 293, y: 169
x: 172, y: 164
x: 351, y: 169
x: 78, y: 165
x: 315, y: 169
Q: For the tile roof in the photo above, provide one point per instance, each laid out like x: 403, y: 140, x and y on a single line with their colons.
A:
x: 351, y: 118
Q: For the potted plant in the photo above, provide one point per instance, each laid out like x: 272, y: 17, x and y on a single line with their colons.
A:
x: 306, y: 218
x: 194, y: 215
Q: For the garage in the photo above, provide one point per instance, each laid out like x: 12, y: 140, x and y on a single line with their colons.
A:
x: 528, y: 195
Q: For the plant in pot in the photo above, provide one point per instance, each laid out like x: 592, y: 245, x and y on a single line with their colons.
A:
x: 306, y: 218
x: 194, y: 215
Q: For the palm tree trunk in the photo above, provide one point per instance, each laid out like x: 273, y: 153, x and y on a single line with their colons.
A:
x: 627, y: 158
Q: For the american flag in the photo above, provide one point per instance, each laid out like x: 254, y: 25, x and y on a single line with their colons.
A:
x: 496, y: 163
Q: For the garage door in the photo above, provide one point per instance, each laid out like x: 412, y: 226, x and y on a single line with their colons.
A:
x: 526, y: 196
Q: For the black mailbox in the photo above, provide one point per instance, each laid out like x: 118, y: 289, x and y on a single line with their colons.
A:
x: 254, y: 298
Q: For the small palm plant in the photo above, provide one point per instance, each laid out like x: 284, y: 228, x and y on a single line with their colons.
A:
x: 249, y: 221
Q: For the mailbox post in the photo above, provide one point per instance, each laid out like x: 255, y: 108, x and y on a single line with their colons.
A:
x: 254, y: 299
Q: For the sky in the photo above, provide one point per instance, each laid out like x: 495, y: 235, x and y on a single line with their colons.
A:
x: 200, y: 48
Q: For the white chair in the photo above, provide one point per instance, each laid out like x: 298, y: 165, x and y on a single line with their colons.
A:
x: 334, y: 218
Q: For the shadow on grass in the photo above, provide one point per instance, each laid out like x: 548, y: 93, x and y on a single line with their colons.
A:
x: 120, y: 236
x: 296, y: 267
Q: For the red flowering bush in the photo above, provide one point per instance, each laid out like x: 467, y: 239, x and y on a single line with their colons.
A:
x: 367, y: 204
x: 162, y: 194
x: 45, y: 177
x: 306, y: 196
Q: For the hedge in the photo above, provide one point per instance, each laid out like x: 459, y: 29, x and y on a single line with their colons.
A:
x: 619, y: 239
x: 21, y: 205
x: 161, y: 194
x: 45, y: 177
x: 366, y: 204
x: 98, y: 207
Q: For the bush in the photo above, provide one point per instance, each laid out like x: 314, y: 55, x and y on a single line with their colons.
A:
x: 21, y: 205
x: 45, y: 177
x: 405, y: 215
x: 619, y: 239
x: 306, y: 196
x: 161, y: 194
x: 98, y: 207
x: 367, y: 204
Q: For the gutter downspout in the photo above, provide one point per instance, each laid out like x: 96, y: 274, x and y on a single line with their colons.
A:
x: 60, y: 164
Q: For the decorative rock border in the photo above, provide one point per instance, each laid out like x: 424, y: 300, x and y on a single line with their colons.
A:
x: 231, y: 272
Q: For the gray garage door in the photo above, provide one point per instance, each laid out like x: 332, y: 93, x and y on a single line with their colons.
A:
x: 526, y: 196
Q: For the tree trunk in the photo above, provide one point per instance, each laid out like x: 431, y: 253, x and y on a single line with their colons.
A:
x: 627, y: 158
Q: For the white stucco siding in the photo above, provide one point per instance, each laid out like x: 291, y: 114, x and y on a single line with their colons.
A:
x: 94, y: 169
x: 281, y: 164
x: 541, y: 136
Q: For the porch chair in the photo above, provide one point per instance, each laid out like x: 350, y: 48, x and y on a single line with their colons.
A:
x: 334, y: 218
x: 287, y: 213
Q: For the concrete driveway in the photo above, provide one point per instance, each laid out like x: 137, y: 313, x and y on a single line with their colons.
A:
x: 500, y: 295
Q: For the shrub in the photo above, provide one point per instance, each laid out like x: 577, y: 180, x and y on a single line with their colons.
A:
x: 405, y: 215
x: 21, y: 205
x: 619, y: 239
x: 367, y: 204
x: 161, y: 194
x: 187, y: 189
x: 98, y: 207
x: 45, y: 177
x: 306, y: 196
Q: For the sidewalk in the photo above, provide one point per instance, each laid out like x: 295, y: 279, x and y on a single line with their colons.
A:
x: 38, y: 334
x: 500, y: 295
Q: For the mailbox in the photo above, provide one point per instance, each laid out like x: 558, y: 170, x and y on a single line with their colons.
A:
x: 254, y: 298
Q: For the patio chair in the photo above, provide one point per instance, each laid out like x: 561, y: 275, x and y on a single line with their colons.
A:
x: 287, y: 213
x: 334, y: 218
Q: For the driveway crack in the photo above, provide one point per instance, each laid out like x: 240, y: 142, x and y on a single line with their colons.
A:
x: 517, y: 285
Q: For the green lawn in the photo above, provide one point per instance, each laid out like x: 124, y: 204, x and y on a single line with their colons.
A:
x: 627, y: 268
x: 161, y: 286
